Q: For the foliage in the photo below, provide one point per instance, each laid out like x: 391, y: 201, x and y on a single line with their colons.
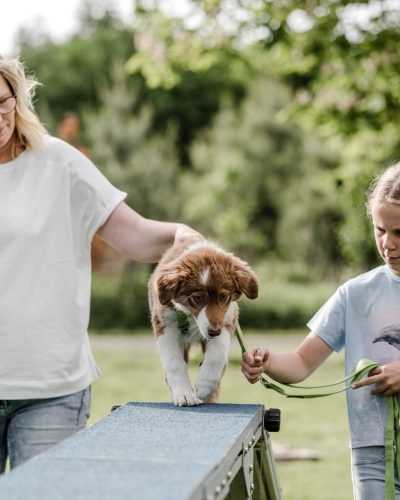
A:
x: 73, y: 73
x: 239, y: 167
x: 266, y: 187
x: 341, y: 60
x: 186, y: 74
x: 136, y: 160
x: 142, y: 164
x: 260, y: 123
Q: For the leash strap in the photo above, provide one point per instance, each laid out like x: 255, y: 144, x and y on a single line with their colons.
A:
x: 392, y: 432
x: 392, y: 446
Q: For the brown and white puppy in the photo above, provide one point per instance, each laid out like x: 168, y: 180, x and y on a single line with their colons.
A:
x: 203, y: 281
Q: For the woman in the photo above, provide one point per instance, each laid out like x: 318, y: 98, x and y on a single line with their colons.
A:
x: 53, y: 200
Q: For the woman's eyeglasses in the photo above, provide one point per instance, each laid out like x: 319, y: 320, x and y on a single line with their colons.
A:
x: 8, y: 104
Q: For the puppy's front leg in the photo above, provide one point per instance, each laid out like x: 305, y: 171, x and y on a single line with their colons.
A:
x: 171, y: 348
x: 215, y: 359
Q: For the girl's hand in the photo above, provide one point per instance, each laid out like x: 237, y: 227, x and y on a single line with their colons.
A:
x: 386, y: 378
x: 254, y: 363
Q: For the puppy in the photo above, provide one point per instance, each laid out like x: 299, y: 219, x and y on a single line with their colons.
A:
x: 192, y: 297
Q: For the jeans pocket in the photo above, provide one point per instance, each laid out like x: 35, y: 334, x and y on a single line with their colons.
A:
x: 84, y: 408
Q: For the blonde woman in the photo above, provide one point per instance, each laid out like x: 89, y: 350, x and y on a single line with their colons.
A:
x: 53, y: 200
x: 362, y: 317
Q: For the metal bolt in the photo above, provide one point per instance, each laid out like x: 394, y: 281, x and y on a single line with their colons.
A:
x: 252, y: 487
x: 229, y: 474
x: 251, y: 468
x: 218, y: 489
x: 223, y: 482
x: 254, y: 439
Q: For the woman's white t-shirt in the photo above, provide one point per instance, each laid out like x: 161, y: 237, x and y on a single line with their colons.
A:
x: 51, y: 204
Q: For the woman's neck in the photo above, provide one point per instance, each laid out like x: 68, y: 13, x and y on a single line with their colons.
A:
x: 7, y: 154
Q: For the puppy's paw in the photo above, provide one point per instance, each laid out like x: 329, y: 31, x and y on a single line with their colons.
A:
x: 204, y: 388
x: 185, y: 399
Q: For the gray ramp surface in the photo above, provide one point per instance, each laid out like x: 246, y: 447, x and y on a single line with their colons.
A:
x: 141, y: 451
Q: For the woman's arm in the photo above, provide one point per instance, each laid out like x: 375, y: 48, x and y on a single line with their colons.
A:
x: 141, y: 239
x: 286, y: 367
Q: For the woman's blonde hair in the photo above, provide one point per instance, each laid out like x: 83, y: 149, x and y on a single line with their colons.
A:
x: 29, y: 133
x: 386, y: 187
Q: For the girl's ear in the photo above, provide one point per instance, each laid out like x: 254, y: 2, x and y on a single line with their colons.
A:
x: 246, y: 280
x: 168, y: 283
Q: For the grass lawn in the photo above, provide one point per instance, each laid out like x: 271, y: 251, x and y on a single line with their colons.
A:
x: 131, y: 371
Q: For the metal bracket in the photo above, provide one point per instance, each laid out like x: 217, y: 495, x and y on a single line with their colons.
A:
x: 248, y: 461
x: 217, y: 487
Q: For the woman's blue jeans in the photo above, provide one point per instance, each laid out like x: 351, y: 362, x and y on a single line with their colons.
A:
x: 368, y: 473
x: 31, y: 426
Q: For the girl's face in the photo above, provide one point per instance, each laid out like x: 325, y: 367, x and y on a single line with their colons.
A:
x: 386, y: 220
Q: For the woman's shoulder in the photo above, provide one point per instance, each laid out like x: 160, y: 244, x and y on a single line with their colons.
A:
x: 59, y: 152
x: 59, y: 149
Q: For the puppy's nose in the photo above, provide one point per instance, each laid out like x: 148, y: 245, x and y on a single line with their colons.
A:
x: 213, y: 333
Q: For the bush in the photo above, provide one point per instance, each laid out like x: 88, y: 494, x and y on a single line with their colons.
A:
x: 288, y: 297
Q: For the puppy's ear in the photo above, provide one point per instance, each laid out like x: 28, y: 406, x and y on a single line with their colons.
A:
x: 246, y: 280
x: 167, y: 285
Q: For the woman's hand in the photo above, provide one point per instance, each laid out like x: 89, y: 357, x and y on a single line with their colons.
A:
x: 386, y: 378
x: 185, y: 234
x: 254, y: 363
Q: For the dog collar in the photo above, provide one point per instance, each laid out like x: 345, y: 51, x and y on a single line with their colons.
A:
x: 183, y: 322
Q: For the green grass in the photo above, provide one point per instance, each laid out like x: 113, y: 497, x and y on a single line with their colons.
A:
x: 133, y: 372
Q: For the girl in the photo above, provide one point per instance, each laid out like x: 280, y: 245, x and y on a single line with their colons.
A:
x: 362, y: 317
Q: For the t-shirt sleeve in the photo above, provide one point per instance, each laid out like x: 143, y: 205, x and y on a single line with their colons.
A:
x: 329, y: 322
x: 92, y: 195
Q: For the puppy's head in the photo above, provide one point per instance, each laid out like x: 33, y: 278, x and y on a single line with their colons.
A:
x: 205, y: 282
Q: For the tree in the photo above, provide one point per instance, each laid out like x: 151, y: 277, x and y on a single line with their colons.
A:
x: 143, y: 164
x: 254, y: 169
x: 72, y: 73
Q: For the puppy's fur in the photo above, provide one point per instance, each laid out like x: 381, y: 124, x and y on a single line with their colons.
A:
x: 203, y: 281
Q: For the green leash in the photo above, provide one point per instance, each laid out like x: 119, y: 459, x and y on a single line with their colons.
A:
x: 362, y: 368
x: 392, y: 432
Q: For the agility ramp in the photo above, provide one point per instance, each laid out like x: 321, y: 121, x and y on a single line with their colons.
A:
x: 156, y: 451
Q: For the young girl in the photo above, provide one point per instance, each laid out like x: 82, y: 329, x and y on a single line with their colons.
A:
x: 363, y: 317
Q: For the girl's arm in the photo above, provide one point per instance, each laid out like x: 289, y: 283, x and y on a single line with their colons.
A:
x: 286, y: 367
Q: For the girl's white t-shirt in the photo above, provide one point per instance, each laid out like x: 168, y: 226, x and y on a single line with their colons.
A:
x: 363, y: 317
x: 52, y: 202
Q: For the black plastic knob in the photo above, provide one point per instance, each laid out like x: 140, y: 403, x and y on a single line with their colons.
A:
x: 272, y: 420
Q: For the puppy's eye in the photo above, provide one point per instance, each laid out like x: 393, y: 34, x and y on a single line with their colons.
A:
x: 198, y: 299
x: 223, y: 297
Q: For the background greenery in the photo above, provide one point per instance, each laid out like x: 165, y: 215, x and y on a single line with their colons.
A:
x: 259, y: 123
